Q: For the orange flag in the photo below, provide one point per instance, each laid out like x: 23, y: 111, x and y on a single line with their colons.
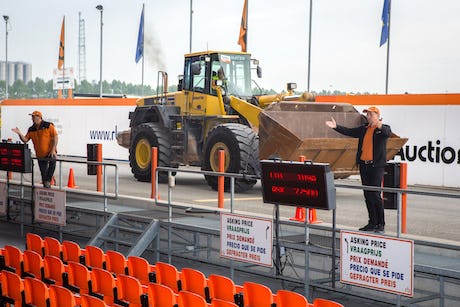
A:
x: 61, y: 46
x: 243, y: 38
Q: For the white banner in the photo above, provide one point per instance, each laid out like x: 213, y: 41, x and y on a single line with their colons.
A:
x: 246, y: 239
x: 76, y: 126
x: 377, y: 262
x: 50, y: 206
x: 432, y: 152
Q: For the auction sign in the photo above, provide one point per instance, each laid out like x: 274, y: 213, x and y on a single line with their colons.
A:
x: 246, y: 239
x: 50, y: 206
x: 377, y: 262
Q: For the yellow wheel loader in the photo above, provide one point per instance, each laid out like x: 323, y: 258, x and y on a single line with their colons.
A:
x: 214, y: 109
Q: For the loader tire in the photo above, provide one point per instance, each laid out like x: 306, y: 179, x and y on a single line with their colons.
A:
x: 146, y: 136
x: 241, y: 147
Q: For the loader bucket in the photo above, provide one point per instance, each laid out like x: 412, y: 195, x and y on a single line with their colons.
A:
x: 290, y: 129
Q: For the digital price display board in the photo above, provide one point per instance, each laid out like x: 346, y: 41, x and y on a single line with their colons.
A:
x: 302, y: 184
x: 15, y: 157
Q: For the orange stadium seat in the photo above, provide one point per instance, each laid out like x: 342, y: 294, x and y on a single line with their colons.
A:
x: 13, y: 259
x: 194, y: 281
x: 257, y: 295
x: 54, y: 270
x: 71, y: 251
x: 33, y: 265
x: 79, y: 278
x: 221, y: 303
x: 53, y: 247
x: 141, y: 269
x: 223, y: 288
x: 161, y: 296
x: 321, y: 302
x: 36, y: 292
x: 103, y: 285
x: 12, y: 288
x: 167, y: 274
x: 62, y: 297
x: 129, y: 291
x: 116, y: 262
x: 189, y: 299
x: 91, y: 301
x: 95, y: 257
x: 35, y: 243
x: 285, y: 298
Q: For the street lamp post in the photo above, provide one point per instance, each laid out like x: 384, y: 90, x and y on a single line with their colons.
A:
x: 7, y: 75
x: 101, y: 9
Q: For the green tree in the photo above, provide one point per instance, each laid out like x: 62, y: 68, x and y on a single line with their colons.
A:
x: 39, y: 87
x: 19, y: 90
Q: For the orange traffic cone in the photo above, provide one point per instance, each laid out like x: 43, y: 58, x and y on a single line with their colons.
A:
x: 312, y: 219
x: 299, y: 215
x: 71, y: 181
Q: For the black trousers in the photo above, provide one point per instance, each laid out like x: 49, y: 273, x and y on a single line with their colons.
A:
x: 47, y: 167
x: 373, y: 176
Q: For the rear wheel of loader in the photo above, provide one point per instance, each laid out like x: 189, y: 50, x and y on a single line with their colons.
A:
x: 149, y: 135
x: 241, y: 147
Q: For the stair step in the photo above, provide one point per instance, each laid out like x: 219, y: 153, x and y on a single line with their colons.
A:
x: 136, y: 239
x: 115, y: 240
x: 126, y: 228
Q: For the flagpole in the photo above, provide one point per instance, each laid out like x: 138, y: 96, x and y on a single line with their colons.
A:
x: 63, y: 62
x: 309, y: 48
x: 191, y: 24
x: 247, y: 23
x: 61, y: 59
x: 143, y: 50
x: 388, y: 47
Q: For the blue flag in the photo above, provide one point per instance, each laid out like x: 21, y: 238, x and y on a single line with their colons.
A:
x: 140, y: 39
x: 385, y: 22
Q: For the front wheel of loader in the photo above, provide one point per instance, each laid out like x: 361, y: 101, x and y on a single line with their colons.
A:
x: 146, y: 136
x: 241, y: 147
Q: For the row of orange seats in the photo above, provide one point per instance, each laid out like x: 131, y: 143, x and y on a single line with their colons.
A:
x: 216, y: 287
x: 34, y: 292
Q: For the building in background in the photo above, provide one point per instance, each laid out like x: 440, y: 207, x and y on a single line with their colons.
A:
x: 17, y: 71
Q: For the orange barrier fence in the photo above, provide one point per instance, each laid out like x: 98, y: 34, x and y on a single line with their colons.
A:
x: 403, y: 185
x: 154, y: 166
x: 221, y: 180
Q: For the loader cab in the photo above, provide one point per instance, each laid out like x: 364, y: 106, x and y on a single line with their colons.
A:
x: 231, y: 71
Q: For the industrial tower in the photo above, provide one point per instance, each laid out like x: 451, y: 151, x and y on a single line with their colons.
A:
x: 81, y: 49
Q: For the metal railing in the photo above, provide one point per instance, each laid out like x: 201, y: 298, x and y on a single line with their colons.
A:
x: 329, y: 283
x: 104, y: 166
x: 24, y: 197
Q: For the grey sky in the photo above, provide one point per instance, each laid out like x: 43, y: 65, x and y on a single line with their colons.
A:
x: 424, y: 54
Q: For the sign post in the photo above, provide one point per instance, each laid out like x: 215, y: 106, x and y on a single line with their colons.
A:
x: 49, y: 206
x: 63, y: 80
x: 377, y: 262
x: 301, y: 184
x: 246, y: 239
